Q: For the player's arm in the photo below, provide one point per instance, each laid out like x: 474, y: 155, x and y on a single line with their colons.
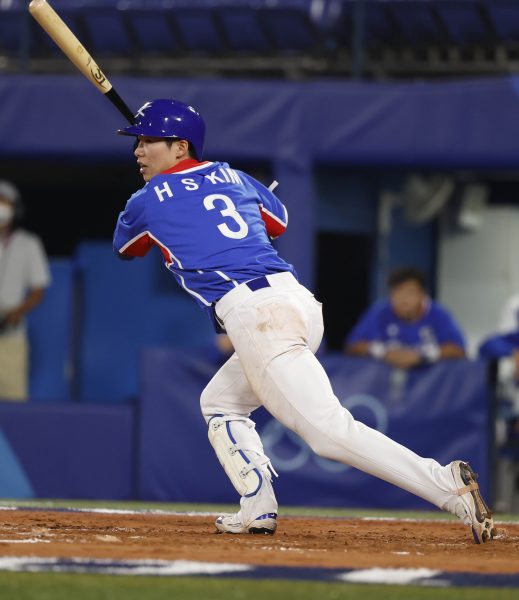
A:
x: 38, y: 279
x: 272, y: 210
x: 31, y: 300
x: 364, y: 339
x: 451, y: 342
x: 499, y: 345
x: 131, y: 237
x: 451, y: 350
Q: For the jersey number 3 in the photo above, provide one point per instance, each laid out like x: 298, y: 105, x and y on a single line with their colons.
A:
x: 228, y: 211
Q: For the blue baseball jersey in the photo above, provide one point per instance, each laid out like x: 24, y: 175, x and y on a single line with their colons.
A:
x: 213, y: 225
x: 380, y: 324
x: 499, y: 345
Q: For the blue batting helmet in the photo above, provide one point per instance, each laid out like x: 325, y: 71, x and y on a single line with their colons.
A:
x: 169, y: 119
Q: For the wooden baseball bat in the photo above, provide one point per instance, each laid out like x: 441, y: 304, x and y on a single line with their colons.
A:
x: 57, y: 29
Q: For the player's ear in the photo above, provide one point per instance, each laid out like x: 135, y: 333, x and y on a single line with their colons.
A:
x: 182, y: 148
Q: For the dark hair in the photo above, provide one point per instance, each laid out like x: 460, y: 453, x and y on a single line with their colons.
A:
x: 190, y: 149
x: 169, y: 142
x: 405, y: 274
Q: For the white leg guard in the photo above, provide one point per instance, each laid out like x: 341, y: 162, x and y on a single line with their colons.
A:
x: 240, y: 452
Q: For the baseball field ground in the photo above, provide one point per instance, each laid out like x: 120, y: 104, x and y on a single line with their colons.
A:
x: 59, y: 550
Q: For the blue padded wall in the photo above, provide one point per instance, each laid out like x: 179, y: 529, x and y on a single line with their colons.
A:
x: 124, y: 307
x: 50, y: 334
x: 66, y: 451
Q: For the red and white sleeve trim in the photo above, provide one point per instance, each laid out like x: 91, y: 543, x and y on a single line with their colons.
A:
x: 274, y: 225
x: 137, y: 246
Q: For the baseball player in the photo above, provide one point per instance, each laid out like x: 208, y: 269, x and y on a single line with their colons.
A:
x: 214, y: 226
x: 408, y: 328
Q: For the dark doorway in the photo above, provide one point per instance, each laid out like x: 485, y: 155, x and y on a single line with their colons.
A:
x: 344, y: 263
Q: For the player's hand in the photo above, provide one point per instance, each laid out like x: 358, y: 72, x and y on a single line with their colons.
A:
x: 403, y: 358
x: 13, y: 317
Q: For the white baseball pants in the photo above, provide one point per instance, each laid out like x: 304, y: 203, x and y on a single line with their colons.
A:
x: 275, y: 332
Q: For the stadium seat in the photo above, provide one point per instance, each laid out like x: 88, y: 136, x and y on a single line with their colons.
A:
x: 243, y: 30
x: 418, y: 23
x: 379, y: 29
x: 504, y: 16
x: 107, y: 33
x: 465, y: 23
x: 153, y: 31
x: 291, y: 30
x: 199, y: 30
x: 12, y: 24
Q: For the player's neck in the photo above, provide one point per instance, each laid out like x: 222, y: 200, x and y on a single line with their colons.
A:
x: 186, y: 163
x: 5, y: 231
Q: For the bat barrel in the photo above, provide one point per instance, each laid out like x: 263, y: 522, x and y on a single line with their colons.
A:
x: 58, y: 30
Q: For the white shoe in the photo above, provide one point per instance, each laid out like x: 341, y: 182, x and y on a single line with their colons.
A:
x: 266, y: 523
x: 472, y: 510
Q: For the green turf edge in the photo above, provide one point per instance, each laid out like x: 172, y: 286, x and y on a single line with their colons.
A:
x: 65, y: 586
x: 222, y: 508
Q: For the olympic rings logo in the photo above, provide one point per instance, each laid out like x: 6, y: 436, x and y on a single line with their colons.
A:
x: 288, y: 452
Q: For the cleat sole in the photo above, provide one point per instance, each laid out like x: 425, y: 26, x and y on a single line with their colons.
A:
x: 483, y: 513
x: 264, y: 524
x: 260, y: 530
x: 475, y: 536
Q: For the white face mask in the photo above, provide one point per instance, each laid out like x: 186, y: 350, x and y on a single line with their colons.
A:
x: 6, y: 213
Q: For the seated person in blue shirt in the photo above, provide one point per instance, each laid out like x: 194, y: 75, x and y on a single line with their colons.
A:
x: 409, y: 328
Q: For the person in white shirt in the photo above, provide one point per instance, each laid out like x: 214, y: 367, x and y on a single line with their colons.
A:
x: 24, y: 275
x: 508, y: 323
x: 503, y: 347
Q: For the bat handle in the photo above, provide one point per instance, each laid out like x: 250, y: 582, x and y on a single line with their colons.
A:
x: 119, y: 103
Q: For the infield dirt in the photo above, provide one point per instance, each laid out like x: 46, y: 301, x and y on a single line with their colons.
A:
x: 312, y: 542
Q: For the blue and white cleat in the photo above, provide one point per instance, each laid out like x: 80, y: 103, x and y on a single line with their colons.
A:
x: 476, y: 512
x: 266, y: 524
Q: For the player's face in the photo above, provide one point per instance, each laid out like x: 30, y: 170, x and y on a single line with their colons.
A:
x: 6, y: 213
x: 408, y: 300
x: 155, y: 155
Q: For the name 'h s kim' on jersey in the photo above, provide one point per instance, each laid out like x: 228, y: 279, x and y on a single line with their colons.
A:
x: 213, y: 225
